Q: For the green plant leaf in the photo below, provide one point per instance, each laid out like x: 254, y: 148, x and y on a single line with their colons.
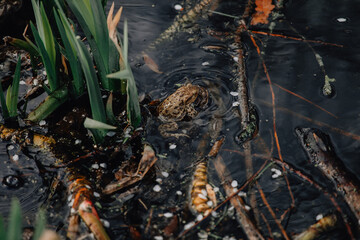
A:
x: 31, y: 49
x: 48, y: 35
x: 132, y: 102
x: 93, y: 124
x: 40, y: 225
x: 13, y: 91
x: 45, y: 41
x: 71, y: 54
x: 93, y: 22
x: 101, y: 31
x: 4, y: 108
x: 123, y: 74
x: 14, y: 229
x: 109, y: 109
x: 2, y: 229
x: 49, y: 105
x: 126, y: 42
x: 49, y: 65
x: 96, y: 103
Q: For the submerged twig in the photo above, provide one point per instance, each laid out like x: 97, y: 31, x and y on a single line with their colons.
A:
x: 247, y: 225
x: 325, y: 224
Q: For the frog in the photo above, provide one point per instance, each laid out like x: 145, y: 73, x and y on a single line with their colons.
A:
x: 181, y: 104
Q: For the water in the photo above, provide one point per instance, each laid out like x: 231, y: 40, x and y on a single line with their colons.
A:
x: 291, y: 64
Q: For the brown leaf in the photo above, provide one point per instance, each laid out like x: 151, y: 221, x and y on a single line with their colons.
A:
x: 134, y: 233
x: 146, y: 162
x: 263, y: 10
x: 151, y: 64
x: 171, y: 227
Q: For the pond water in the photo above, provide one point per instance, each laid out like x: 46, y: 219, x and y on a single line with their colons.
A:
x: 185, y: 57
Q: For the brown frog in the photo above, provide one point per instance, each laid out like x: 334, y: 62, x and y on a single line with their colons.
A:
x: 179, y: 105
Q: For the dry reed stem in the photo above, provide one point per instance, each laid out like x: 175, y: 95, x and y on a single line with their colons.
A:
x: 247, y: 225
x: 263, y: 197
x: 296, y: 39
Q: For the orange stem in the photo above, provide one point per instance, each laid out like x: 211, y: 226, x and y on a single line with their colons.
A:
x: 295, y: 38
x: 306, y: 100
x: 272, y: 212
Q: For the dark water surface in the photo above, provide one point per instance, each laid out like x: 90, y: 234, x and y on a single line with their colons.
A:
x: 291, y: 64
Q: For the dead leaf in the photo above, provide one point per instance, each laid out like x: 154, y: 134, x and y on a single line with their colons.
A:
x: 147, y: 161
x: 171, y: 227
x: 263, y: 10
x: 151, y: 64
x: 112, y: 24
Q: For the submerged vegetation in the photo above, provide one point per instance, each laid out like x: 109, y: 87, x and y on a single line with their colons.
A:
x: 88, y: 84
x: 69, y: 63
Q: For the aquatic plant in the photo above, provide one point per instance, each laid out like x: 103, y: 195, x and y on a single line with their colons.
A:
x: 9, y: 105
x: 106, y: 51
x: 14, y: 231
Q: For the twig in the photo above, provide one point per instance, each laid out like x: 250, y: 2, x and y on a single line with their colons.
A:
x: 274, y: 116
x: 247, y: 225
x: 295, y: 38
x: 319, y: 123
x: 272, y: 212
x: 306, y: 100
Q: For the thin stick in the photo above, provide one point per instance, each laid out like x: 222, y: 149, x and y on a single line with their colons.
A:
x: 247, y: 225
x: 306, y: 100
x: 272, y: 212
x: 274, y: 116
x: 267, y: 225
x: 295, y: 38
x: 319, y: 123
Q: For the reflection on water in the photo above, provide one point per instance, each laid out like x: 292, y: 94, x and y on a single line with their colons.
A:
x: 291, y: 64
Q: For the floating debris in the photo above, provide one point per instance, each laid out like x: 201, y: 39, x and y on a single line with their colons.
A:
x: 172, y: 146
x: 42, y: 123
x: 157, y: 188
x: 178, y: 7
x: 234, y: 183
x: 341, y: 20
x: 235, y: 104
x: 168, y: 215
x: 321, y: 153
x: 323, y: 225
x: 189, y: 225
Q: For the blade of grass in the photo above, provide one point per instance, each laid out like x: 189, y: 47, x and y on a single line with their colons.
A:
x: 13, y: 91
x: 96, y: 103
x: 31, y: 49
x: 2, y: 229
x: 109, y: 109
x: 14, y: 228
x: 126, y: 41
x: 45, y: 41
x: 132, y: 102
x: 93, y: 124
x: 101, y: 31
x: 71, y: 55
x: 85, y: 17
x: 4, y: 108
x: 49, y: 65
x: 50, y: 104
x: 40, y: 225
